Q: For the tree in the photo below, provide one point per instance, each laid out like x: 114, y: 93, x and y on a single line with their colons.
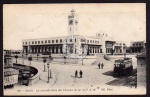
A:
x: 16, y: 58
x: 30, y: 59
x: 26, y: 55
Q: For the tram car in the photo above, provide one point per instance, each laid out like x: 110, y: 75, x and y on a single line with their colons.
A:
x: 123, y: 67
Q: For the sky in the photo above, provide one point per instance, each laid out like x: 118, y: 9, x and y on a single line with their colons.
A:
x: 124, y: 22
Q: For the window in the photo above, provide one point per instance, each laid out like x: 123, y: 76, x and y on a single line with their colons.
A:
x: 35, y: 42
x: 93, y: 41
x: 23, y: 42
x: 52, y: 41
x: 38, y: 42
x: 32, y: 42
x: 87, y: 41
x: 60, y: 40
x: 56, y: 41
x: 42, y: 42
x: 90, y: 41
x: 29, y: 42
x: 49, y: 41
x: 26, y: 42
x: 45, y: 41
x: 75, y: 39
x: 70, y: 40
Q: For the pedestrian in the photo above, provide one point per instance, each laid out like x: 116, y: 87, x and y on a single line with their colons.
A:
x: 102, y: 65
x: 99, y: 65
x: 76, y: 73
x: 81, y: 73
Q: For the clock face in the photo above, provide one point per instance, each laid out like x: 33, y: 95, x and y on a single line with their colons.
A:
x: 70, y: 22
x: 76, y: 22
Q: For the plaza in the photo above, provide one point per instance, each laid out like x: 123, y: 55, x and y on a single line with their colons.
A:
x: 63, y: 75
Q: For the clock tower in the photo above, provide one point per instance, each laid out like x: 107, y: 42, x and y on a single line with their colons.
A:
x: 73, y: 23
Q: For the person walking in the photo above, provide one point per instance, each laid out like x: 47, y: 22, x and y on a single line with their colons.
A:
x: 102, y: 65
x: 76, y: 73
x: 99, y: 65
x: 81, y: 73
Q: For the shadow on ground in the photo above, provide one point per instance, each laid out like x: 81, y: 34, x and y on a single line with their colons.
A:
x: 129, y: 80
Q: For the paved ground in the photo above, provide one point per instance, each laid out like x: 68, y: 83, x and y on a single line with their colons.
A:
x: 63, y: 75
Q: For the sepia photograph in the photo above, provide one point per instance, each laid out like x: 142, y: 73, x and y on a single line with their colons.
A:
x: 74, y: 49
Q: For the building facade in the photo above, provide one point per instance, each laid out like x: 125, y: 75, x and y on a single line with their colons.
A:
x: 138, y: 47
x: 100, y: 43
x: 10, y: 74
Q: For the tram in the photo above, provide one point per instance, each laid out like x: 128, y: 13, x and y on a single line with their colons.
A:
x: 123, y: 67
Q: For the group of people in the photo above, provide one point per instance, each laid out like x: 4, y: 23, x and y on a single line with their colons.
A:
x: 80, y: 72
x: 100, y: 65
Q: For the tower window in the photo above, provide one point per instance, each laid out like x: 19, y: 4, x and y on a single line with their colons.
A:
x: 45, y: 41
x: 48, y: 41
x: 70, y: 29
x: 56, y: 41
x: 38, y: 42
x: 52, y: 41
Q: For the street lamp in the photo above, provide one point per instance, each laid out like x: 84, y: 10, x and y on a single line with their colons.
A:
x: 37, y: 56
x: 48, y: 65
x: 44, y: 61
x: 50, y: 59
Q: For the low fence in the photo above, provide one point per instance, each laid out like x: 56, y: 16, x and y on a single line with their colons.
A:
x: 32, y: 69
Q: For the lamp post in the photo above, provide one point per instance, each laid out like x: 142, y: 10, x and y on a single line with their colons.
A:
x: 44, y: 61
x: 37, y: 56
x: 50, y: 59
x: 82, y: 57
x: 48, y: 65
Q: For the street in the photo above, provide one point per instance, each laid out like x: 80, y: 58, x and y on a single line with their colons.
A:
x: 63, y: 75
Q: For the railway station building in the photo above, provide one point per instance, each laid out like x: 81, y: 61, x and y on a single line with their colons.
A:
x: 100, y: 43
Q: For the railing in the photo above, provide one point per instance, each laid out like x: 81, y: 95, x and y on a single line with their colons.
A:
x: 36, y: 76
